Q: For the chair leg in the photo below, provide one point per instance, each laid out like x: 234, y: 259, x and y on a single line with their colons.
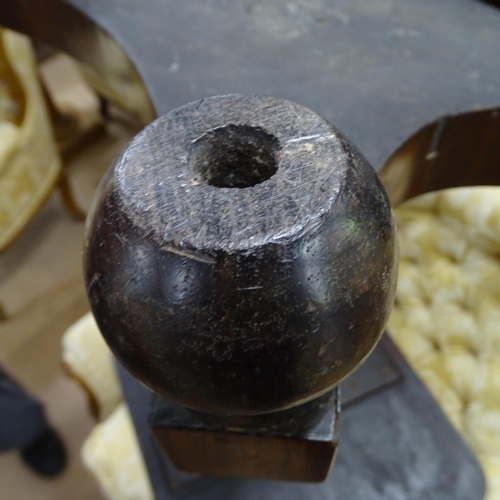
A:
x: 3, y: 314
x: 68, y: 199
x: 104, y: 108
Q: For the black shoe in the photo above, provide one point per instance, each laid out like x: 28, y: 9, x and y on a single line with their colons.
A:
x: 46, y: 455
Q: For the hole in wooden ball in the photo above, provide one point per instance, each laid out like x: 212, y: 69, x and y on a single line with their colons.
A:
x: 234, y: 156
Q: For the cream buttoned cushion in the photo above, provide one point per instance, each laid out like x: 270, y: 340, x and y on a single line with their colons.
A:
x: 446, y: 319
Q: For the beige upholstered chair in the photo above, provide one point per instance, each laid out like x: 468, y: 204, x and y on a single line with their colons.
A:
x: 30, y: 164
x: 111, y: 452
x: 88, y: 360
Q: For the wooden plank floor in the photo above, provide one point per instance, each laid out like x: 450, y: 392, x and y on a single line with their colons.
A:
x: 41, y: 289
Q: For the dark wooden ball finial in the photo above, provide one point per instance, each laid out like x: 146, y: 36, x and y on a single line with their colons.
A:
x: 240, y: 256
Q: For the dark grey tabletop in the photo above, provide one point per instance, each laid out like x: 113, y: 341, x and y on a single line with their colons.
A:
x: 379, y: 70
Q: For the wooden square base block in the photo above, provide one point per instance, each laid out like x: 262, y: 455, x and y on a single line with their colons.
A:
x: 292, y: 445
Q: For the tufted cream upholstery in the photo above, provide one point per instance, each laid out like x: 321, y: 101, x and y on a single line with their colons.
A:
x: 446, y: 319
